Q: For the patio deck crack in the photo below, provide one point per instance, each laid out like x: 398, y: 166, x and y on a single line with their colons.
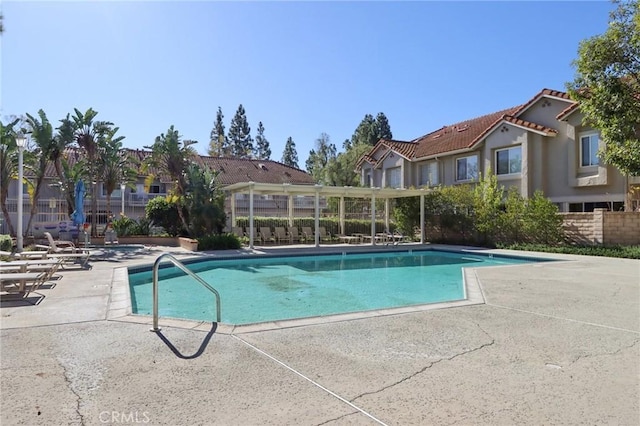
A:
x: 635, y: 342
x: 428, y: 366
x: 73, y: 391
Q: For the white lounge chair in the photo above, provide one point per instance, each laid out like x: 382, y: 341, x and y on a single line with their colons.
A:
x: 281, y: 235
x: 59, y: 246
x: 266, y: 236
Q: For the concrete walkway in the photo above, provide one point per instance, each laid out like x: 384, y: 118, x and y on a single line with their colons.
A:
x: 555, y: 343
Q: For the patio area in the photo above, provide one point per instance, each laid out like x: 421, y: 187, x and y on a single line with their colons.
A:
x: 554, y: 343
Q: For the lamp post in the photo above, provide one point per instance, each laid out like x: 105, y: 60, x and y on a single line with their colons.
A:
x: 21, y: 141
x: 122, y: 187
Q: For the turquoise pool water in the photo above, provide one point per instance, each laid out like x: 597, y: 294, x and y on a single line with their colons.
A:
x: 260, y: 289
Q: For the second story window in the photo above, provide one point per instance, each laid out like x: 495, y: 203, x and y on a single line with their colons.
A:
x: 157, y: 189
x: 589, y: 149
x: 467, y: 168
x: 509, y: 161
x: 394, y: 177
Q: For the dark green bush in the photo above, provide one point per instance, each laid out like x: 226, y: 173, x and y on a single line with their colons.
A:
x: 219, y: 242
x: 124, y: 226
x: 629, y: 252
x: 6, y: 243
x: 164, y: 213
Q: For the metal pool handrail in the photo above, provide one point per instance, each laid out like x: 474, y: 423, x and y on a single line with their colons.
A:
x: 184, y: 269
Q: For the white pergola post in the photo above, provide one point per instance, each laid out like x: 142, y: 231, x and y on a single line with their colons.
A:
x: 373, y: 218
x: 422, y: 219
x: 341, y: 214
x: 386, y: 214
x: 317, y: 218
x: 233, y: 209
x: 290, y: 204
x: 251, y: 230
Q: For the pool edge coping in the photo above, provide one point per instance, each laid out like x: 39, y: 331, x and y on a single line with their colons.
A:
x: 120, y: 309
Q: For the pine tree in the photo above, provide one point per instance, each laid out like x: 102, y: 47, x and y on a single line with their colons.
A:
x: 382, y: 126
x: 219, y: 144
x: 263, y: 152
x: 290, y: 155
x: 370, y: 131
x: 240, y: 135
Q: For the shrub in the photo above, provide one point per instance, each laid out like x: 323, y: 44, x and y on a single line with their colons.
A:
x: 6, y: 243
x: 143, y: 226
x: 219, y: 242
x: 164, y: 213
x: 124, y: 226
x: 629, y: 252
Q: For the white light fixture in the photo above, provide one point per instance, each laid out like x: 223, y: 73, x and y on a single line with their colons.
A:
x: 122, y: 188
x: 21, y: 141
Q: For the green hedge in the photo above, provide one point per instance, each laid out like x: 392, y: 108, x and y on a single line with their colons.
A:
x: 332, y: 225
x: 219, y: 242
x: 629, y: 252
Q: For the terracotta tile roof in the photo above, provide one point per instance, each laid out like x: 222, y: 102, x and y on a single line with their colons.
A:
x: 457, y: 136
x: 542, y: 93
x: 232, y: 170
x: 518, y: 122
x: 235, y: 170
x: 567, y: 111
x: 406, y: 149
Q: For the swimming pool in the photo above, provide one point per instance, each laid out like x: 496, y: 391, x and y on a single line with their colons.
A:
x: 268, y: 288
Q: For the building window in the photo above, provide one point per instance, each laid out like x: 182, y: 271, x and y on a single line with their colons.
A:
x: 509, y: 161
x: 394, y: 177
x: 429, y: 174
x: 467, y: 168
x: 114, y: 194
x: 589, y: 150
x: 367, y: 179
x: 156, y: 189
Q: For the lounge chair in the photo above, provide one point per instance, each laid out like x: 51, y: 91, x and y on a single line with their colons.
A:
x: 237, y: 231
x: 15, y: 275
x: 59, y: 246
x: 294, y: 236
x: 68, y: 252
x: 266, y: 236
x: 324, y: 235
x: 281, y: 235
x: 307, y: 233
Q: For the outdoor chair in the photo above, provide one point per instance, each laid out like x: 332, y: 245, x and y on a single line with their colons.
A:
x: 281, y: 235
x: 307, y: 233
x: 237, y: 231
x: 266, y: 236
x: 324, y: 235
x: 59, y: 246
x: 293, y: 234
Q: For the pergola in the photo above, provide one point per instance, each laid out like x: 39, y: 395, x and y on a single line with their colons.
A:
x: 291, y: 190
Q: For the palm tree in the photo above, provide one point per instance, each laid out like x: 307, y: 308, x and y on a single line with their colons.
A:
x: 115, y: 167
x: 63, y: 138
x: 42, y: 134
x: 87, y: 133
x: 171, y: 157
x: 8, y: 165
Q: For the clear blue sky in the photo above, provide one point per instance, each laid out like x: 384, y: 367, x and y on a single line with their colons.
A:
x: 302, y: 68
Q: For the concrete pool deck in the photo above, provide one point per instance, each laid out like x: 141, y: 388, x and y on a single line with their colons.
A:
x: 554, y: 343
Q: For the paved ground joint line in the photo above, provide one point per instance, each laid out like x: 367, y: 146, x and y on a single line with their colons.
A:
x: 311, y: 381
x: 564, y: 319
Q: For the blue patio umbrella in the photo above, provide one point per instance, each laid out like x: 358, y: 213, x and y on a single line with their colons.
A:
x: 78, y: 215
